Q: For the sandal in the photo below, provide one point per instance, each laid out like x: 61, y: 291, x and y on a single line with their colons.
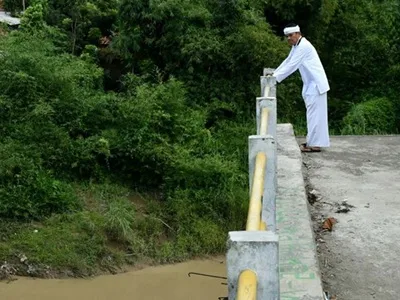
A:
x: 305, y: 148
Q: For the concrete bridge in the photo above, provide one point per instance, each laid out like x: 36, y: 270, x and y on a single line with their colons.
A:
x: 354, y: 184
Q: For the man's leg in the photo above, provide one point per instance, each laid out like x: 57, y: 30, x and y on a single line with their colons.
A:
x: 317, y: 120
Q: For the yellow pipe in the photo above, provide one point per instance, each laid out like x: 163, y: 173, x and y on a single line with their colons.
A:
x: 263, y: 226
x: 247, y: 286
x: 264, y: 121
x: 254, y: 214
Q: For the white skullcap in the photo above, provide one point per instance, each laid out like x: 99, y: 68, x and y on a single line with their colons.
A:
x: 289, y: 30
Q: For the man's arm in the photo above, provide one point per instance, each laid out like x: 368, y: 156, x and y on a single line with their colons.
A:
x: 290, y: 66
x: 283, y: 64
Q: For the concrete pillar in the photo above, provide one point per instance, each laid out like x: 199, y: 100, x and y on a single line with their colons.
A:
x: 271, y: 82
x: 268, y: 81
x: 257, y: 251
x: 267, y: 145
x: 267, y: 99
x: 263, y: 83
x: 270, y: 103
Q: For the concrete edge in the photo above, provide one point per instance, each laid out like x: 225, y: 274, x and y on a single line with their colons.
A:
x: 300, y: 277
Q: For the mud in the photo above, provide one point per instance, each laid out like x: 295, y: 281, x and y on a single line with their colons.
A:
x: 169, y: 282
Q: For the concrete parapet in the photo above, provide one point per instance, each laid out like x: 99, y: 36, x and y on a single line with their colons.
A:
x: 299, y: 272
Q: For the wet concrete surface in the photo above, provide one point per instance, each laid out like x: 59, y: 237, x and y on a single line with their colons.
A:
x: 359, y: 176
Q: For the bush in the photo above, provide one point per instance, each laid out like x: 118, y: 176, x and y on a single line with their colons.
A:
x: 376, y: 116
x: 54, y: 103
x: 27, y: 191
x: 152, y: 121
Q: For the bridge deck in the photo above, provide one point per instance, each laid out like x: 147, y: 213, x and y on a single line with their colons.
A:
x: 361, y: 255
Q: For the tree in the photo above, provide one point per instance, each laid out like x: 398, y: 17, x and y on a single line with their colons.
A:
x: 217, y: 48
x: 85, y: 21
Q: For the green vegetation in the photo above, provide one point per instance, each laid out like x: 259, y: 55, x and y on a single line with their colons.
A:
x: 376, y: 116
x: 72, y: 156
x: 124, y: 124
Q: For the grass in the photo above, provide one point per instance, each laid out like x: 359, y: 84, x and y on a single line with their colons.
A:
x: 97, y: 239
x: 117, y: 228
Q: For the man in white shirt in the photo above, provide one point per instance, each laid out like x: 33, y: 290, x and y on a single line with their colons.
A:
x: 304, y: 57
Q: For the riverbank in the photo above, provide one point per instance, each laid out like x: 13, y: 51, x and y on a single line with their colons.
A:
x: 118, y: 229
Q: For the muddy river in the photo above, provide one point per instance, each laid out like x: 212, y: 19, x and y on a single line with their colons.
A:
x: 169, y: 282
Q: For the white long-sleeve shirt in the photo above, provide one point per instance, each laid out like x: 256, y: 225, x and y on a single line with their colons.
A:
x: 304, y: 57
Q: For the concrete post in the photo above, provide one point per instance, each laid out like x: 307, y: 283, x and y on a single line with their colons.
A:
x: 268, y: 95
x: 267, y: 145
x: 271, y: 82
x: 257, y: 251
x: 263, y: 83
x: 270, y: 103
x: 268, y: 81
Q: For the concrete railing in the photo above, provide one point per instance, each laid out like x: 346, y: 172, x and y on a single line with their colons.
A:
x: 253, y: 258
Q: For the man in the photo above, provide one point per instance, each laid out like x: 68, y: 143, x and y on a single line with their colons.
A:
x: 304, y: 57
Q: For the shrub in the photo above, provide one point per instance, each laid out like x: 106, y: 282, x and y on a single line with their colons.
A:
x: 152, y: 120
x: 375, y: 116
x: 54, y: 103
x: 27, y: 191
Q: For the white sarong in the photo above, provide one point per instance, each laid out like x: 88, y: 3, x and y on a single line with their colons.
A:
x: 317, y: 118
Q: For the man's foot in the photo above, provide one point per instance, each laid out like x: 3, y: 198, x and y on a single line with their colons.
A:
x: 305, y: 148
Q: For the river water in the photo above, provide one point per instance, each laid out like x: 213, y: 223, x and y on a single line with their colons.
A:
x: 170, y: 282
